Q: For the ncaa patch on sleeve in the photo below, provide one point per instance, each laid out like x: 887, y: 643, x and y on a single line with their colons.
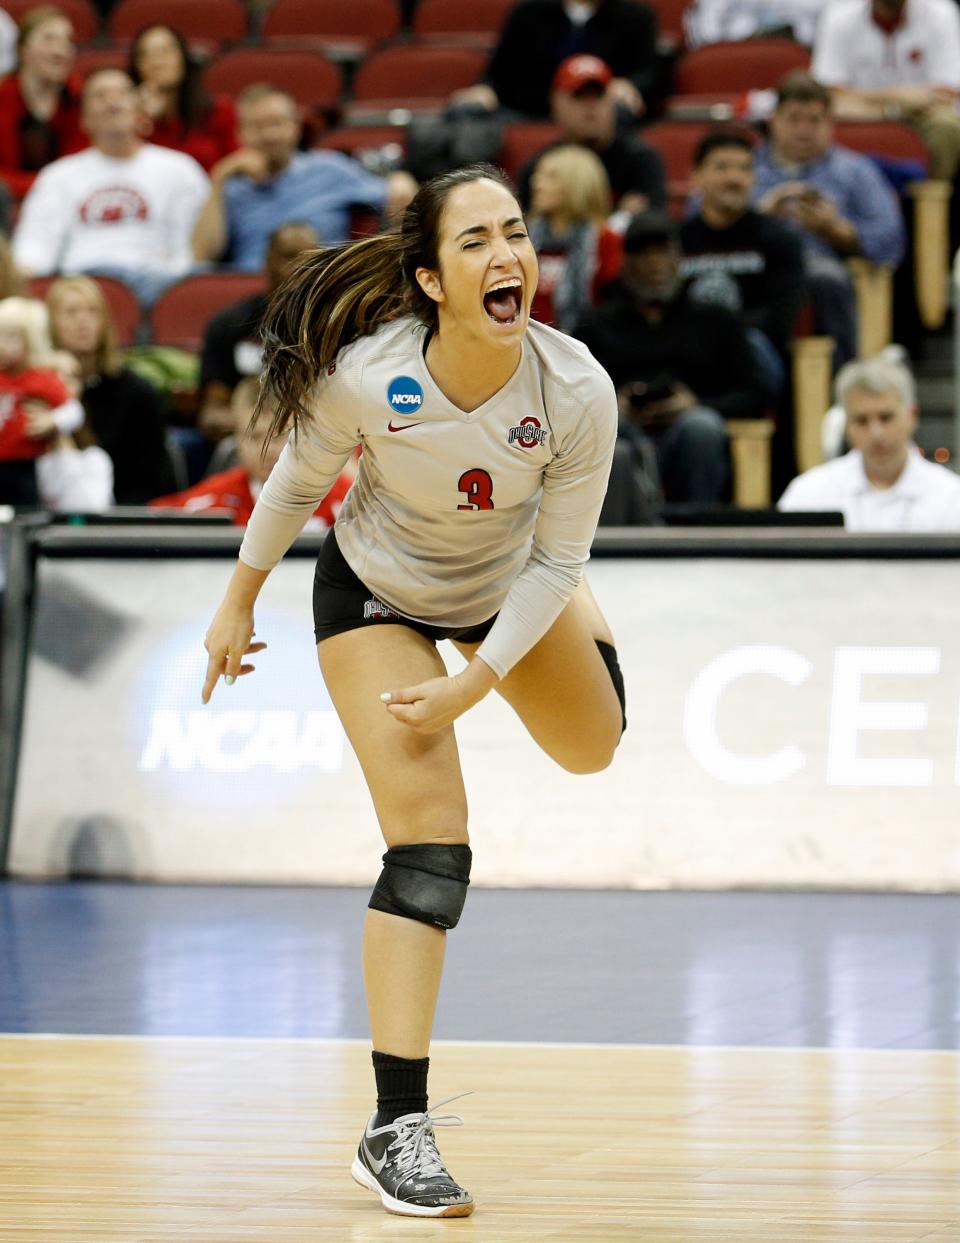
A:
x: 404, y: 394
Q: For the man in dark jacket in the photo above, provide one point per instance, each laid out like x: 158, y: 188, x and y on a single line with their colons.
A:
x: 539, y: 34
x: 737, y: 258
x: 680, y: 368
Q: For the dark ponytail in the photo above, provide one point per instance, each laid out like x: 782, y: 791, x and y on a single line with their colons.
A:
x: 341, y: 293
x: 333, y: 297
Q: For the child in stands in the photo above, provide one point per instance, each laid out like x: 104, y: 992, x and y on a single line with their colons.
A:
x: 35, y: 404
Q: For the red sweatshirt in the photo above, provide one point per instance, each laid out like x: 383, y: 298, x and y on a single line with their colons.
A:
x: 208, y: 141
x: 15, y: 389
x: 229, y: 491
x: 65, y: 124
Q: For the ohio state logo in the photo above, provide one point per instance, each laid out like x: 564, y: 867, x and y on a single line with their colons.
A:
x: 114, y: 204
x: 528, y: 433
x: 375, y: 609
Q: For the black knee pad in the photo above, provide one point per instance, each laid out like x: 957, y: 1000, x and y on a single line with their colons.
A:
x: 609, y: 654
x: 427, y: 882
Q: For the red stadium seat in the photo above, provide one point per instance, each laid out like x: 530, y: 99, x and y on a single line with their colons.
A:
x: 670, y: 32
x: 355, y: 140
x: 416, y: 76
x: 313, y: 81
x: 455, y: 19
x: 181, y: 314
x: 90, y: 59
x: 721, y: 68
x: 522, y: 140
x: 122, y: 301
x: 84, y: 18
x: 214, y: 22
x: 892, y: 139
x: 351, y: 27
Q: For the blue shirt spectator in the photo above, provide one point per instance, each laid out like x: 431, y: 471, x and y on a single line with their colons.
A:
x: 860, y: 192
x: 838, y: 200
x: 269, y: 183
x: 317, y: 187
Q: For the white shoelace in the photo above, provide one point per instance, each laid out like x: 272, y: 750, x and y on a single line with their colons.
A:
x: 417, y: 1145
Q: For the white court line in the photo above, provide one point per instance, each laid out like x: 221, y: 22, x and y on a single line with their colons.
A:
x: 486, y: 1044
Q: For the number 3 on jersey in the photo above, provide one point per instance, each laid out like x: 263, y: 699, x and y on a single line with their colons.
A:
x: 477, y: 487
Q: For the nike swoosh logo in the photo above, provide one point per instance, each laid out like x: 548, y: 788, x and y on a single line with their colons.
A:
x: 403, y: 426
x: 375, y: 1165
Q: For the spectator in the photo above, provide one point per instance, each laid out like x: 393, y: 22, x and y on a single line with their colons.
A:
x: 540, y: 34
x: 182, y: 114
x: 733, y: 256
x: 75, y: 474
x: 882, y: 484
x: 838, y: 199
x: 567, y: 222
x: 232, y: 346
x: 235, y: 491
x: 8, y: 42
x: 268, y: 182
x: 721, y: 21
x: 35, y: 404
x: 681, y: 367
x: 891, y: 59
x: 583, y: 106
x: 40, y: 101
x: 125, y: 208
x: 123, y: 410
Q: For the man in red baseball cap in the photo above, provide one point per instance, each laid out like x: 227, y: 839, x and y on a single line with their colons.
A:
x: 582, y: 72
x: 584, y: 106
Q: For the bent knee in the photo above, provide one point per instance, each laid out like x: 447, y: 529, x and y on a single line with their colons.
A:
x: 591, y: 758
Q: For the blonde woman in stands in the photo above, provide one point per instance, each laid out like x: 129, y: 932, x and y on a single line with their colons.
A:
x: 578, y: 252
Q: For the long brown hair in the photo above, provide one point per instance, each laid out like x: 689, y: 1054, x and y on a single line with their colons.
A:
x: 340, y: 293
x: 107, y: 356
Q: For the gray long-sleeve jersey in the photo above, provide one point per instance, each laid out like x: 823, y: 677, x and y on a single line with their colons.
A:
x: 454, y: 516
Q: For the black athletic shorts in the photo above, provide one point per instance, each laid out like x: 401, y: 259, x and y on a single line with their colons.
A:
x: 341, y: 602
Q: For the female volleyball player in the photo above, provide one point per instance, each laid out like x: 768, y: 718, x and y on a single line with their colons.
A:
x: 487, y: 441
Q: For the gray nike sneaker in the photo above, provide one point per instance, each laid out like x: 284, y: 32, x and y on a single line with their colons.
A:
x: 401, y: 1164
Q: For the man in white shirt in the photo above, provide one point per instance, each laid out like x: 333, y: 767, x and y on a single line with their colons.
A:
x: 896, y: 59
x: 720, y: 21
x: 122, y: 208
x: 882, y: 484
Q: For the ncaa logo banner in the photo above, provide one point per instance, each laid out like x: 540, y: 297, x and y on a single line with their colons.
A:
x: 404, y: 395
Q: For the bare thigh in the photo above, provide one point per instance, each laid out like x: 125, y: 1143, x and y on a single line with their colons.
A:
x: 415, y: 780
x: 562, y: 691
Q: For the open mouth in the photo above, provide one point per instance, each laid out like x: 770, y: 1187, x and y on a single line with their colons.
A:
x: 503, y: 301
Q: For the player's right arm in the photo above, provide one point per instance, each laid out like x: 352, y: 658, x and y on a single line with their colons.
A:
x: 304, y: 474
x: 230, y: 636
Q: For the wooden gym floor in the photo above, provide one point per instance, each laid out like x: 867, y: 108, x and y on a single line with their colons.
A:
x: 249, y: 1141
x: 212, y: 1086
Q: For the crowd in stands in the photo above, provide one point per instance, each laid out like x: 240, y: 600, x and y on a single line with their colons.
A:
x: 689, y: 286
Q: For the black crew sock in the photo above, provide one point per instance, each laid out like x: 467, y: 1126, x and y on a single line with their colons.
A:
x: 401, y: 1086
